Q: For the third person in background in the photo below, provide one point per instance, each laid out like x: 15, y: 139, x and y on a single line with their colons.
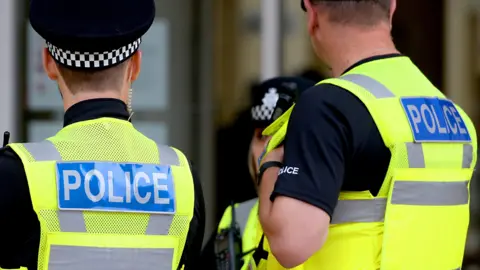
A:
x: 264, y: 101
x: 376, y: 162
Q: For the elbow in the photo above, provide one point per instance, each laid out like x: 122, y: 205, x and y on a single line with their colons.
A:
x: 293, y: 251
x: 289, y: 253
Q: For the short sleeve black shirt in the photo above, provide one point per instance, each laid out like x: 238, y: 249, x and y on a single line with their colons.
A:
x: 332, y: 144
x: 19, y: 225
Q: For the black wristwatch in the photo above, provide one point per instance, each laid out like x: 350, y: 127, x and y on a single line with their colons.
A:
x: 265, y: 166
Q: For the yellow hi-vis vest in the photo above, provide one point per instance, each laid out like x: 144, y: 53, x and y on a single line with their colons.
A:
x: 108, y: 197
x: 246, y: 216
x: 419, y: 219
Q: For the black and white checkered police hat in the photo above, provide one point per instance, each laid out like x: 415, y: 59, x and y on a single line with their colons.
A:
x: 91, y: 34
x: 266, y: 94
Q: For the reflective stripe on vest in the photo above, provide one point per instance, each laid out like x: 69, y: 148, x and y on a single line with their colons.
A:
x: 242, y: 212
x: 80, y: 257
x: 93, y: 258
x: 404, y: 192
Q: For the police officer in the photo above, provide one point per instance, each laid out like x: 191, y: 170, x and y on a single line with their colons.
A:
x: 264, y: 100
x: 98, y: 194
x: 377, y: 158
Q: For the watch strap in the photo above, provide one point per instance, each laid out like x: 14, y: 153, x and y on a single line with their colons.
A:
x: 265, y: 166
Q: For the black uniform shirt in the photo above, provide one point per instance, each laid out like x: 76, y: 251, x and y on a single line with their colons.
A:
x: 19, y: 225
x: 333, y: 144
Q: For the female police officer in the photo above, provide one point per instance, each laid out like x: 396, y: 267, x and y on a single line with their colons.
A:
x: 264, y: 102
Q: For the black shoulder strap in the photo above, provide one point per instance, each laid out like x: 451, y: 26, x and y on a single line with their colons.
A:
x: 260, y: 253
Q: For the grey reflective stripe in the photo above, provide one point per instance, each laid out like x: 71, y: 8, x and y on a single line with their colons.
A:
x: 159, y: 224
x: 43, y: 151
x: 93, y: 258
x: 71, y: 221
x: 46, y: 151
x: 168, y: 156
x: 467, y: 155
x: 376, y: 88
x: 242, y: 212
x: 417, y: 193
x: 359, y: 211
x: 416, y: 159
x: 430, y: 193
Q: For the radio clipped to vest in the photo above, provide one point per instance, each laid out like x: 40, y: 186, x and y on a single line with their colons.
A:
x: 228, y: 246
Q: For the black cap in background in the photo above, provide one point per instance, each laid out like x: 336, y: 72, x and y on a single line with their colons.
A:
x: 265, y: 96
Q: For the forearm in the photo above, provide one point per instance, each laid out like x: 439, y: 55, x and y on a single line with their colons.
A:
x: 271, y: 221
x: 284, y: 224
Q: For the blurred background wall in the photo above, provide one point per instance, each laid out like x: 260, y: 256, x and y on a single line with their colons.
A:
x: 200, y: 59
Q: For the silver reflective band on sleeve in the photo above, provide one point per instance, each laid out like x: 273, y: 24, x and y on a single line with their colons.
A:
x: 359, y: 211
x: 43, y: 151
x: 467, y: 156
x: 242, y: 212
x: 168, y: 156
x: 430, y: 193
x: 92, y: 258
x: 376, y: 88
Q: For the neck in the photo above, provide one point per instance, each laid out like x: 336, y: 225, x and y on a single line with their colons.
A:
x: 70, y: 100
x: 342, y: 53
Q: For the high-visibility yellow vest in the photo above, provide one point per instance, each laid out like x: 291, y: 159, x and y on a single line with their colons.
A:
x: 419, y: 219
x: 246, y: 216
x: 137, y: 198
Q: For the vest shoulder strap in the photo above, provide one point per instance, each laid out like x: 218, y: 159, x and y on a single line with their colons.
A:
x: 46, y: 151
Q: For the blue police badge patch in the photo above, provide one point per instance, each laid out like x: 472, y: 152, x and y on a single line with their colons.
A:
x: 119, y: 187
x: 434, y: 119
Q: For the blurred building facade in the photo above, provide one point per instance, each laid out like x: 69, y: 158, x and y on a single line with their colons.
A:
x: 201, y: 56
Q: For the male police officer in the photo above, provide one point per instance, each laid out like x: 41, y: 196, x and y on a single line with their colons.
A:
x: 377, y: 158
x: 106, y: 196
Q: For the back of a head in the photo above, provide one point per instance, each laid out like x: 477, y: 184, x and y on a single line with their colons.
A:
x: 91, y: 40
x: 354, y: 12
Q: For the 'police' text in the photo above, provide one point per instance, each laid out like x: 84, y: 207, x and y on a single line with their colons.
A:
x: 106, y: 186
x: 435, y: 120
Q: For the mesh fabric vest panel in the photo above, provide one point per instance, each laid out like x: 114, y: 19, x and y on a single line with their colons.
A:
x: 111, y: 140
